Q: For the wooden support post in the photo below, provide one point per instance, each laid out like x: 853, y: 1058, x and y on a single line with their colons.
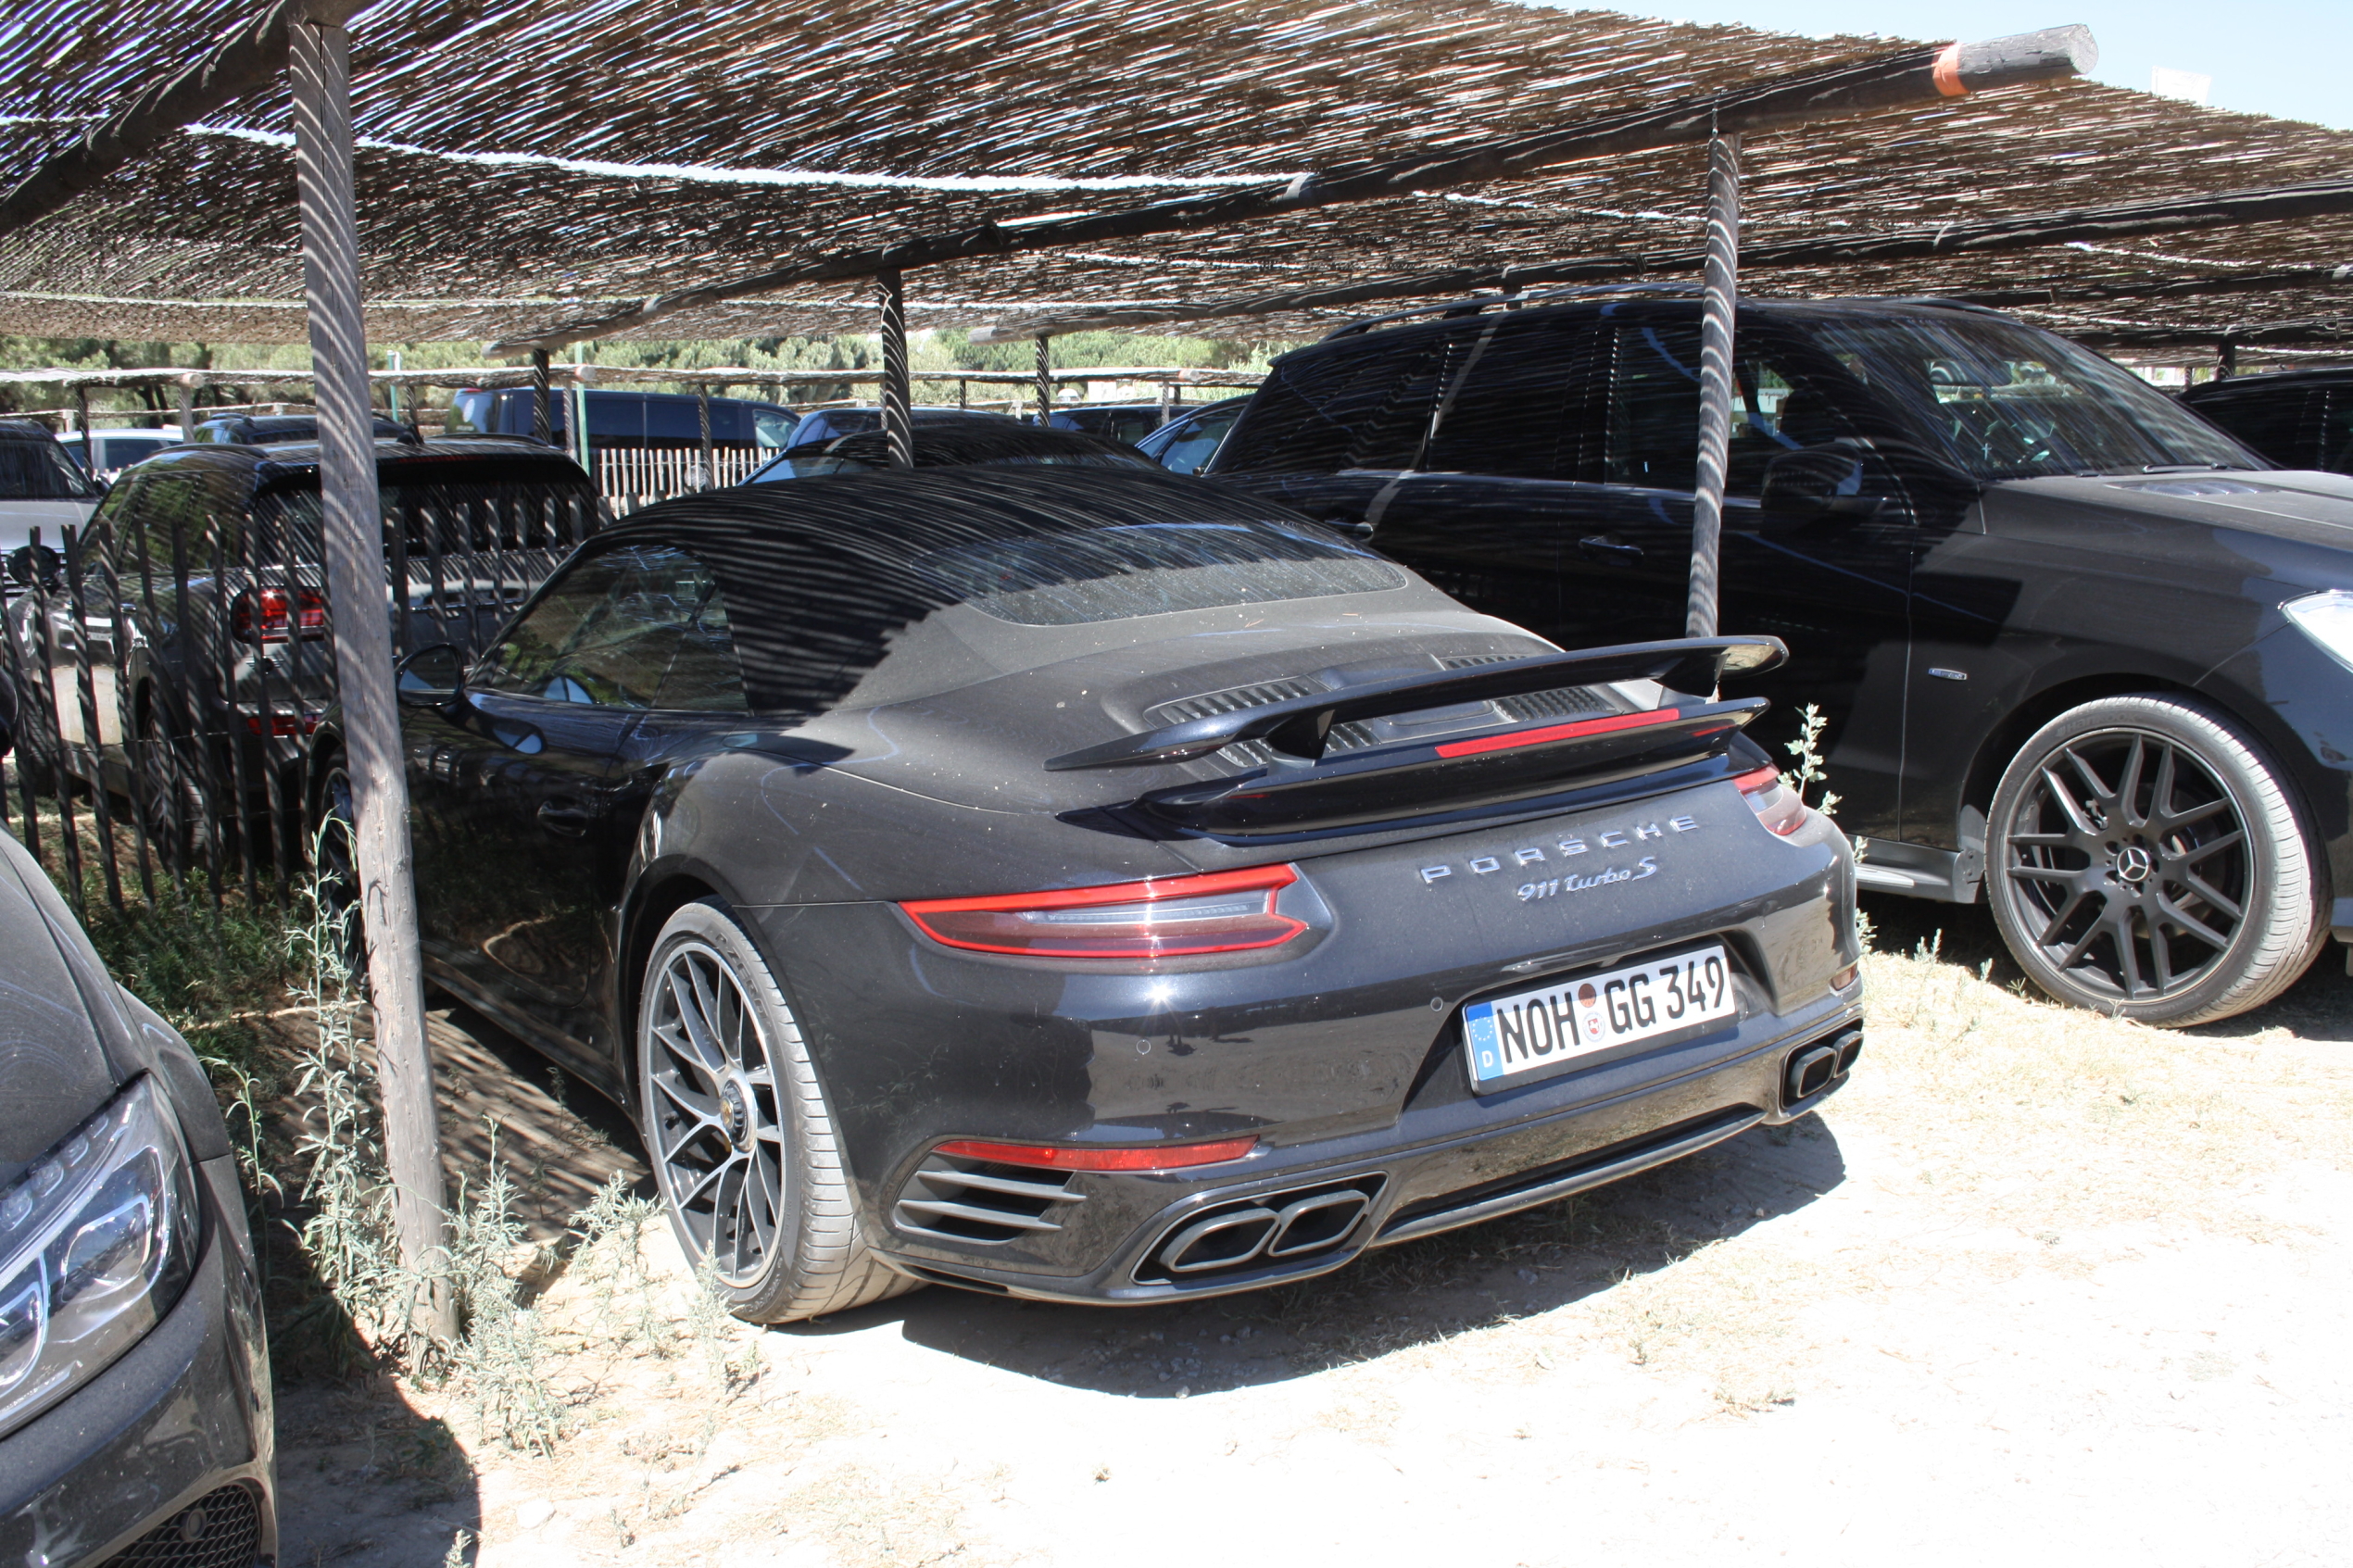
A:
x: 897, y: 415
x: 963, y: 393
x: 1167, y: 389
x: 353, y: 536
x: 543, y: 423
x: 183, y: 393
x: 702, y: 418
x: 1045, y: 379
x: 576, y: 410
x: 2227, y: 364
x: 391, y: 388
x: 89, y: 437
x: 1720, y: 301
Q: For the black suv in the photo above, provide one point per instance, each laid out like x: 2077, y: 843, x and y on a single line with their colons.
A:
x: 2298, y: 419
x: 2075, y: 645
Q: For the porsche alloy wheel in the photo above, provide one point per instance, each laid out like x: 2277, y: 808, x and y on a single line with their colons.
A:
x: 743, y: 1147
x: 2149, y: 862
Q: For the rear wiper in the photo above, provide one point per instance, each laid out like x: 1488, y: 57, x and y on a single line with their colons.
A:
x: 2194, y: 467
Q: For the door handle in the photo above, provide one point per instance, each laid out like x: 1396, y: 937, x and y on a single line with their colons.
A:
x: 1596, y: 547
x: 567, y: 819
x: 1353, y: 529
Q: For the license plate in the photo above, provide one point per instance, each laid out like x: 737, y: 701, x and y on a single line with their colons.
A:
x: 1512, y: 1037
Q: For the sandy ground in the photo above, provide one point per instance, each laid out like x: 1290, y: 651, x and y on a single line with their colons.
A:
x: 2037, y: 1286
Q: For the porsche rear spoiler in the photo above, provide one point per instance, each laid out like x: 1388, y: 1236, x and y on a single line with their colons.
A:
x: 1584, y: 762
x: 1297, y: 726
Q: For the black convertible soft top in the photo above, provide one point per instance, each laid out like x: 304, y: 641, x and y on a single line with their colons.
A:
x: 822, y: 575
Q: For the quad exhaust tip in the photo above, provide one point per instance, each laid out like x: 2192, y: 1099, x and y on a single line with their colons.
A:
x: 1817, y: 1066
x: 1273, y: 1229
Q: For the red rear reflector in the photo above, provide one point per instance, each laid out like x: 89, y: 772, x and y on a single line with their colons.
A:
x: 1214, y: 912
x: 1168, y: 1157
x: 1559, y: 731
x: 283, y: 726
x: 1762, y: 778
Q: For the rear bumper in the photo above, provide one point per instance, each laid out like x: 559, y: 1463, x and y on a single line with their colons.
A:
x: 183, y: 1415
x: 1441, y: 1168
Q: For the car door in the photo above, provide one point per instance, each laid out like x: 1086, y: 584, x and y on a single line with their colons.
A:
x: 1834, y: 586
x: 521, y: 838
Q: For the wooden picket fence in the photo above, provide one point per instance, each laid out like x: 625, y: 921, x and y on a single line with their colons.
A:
x: 632, y: 478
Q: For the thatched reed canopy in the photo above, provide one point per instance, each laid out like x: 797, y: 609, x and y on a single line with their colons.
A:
x: 526, y: 161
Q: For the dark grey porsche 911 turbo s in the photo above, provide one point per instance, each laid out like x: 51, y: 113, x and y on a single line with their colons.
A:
x: 1109, y: 888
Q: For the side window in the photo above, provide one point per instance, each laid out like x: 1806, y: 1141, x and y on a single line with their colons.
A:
x: 1195, y: 444
x: 1652, y: 420
x: 1654, y: 408
x: 1522, y: 402
x: 633, y: 628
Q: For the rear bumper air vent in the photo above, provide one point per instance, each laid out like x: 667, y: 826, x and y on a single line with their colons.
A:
x: 980, y: 1200
x: 1267, y: 1232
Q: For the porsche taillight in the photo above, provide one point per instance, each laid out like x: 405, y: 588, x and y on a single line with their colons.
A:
x: 1168, y: 917
x: 270, y: 615
x: 1779, y: 807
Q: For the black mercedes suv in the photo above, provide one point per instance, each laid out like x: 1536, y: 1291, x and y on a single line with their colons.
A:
x: 2081, y: 652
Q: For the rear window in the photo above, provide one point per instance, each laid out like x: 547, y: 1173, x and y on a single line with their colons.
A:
x: 1153, y: 568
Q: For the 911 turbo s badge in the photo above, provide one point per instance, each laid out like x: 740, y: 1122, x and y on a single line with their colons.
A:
x: 1633, y: 836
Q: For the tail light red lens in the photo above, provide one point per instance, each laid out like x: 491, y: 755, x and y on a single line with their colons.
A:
x: 1779, y: 807
x: 1051, y: 1157
x: 269, y: 615
x: 1214, y: 912
x: 282, y: 726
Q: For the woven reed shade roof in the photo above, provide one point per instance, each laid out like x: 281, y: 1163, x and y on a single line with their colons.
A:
x: 522, y: 161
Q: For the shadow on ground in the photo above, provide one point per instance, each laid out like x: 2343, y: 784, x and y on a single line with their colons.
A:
x: 1390, y: 1299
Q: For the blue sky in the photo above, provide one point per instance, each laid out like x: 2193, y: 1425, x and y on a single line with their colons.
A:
x: 2283, y: 57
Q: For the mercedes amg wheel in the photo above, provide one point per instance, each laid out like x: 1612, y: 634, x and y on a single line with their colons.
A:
x: 743, y: 1147
x: 2148, y: 861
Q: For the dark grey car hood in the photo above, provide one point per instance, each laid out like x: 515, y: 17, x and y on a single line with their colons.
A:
x: 68, y: 1035
x: 2300, y: 505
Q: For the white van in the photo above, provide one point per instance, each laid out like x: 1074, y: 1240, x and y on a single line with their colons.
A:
x: 40, y: 487
x: 117, y: 449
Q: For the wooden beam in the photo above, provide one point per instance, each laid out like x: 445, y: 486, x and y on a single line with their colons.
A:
x: 1909, y: 77
x: 248, y: 59
x: 352, y: 530
x: 2280, y: 204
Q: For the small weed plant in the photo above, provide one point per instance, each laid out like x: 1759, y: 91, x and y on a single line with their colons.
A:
x: 1807, y: 752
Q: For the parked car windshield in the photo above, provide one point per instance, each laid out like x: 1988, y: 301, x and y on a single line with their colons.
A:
x: 38, y: 470
x: 1067, y: 579
x: 2011, y: 402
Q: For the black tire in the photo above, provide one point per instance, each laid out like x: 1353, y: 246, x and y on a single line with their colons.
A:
x: 2149, y: 861
x: 743, y: 1147
x: 166, y: 792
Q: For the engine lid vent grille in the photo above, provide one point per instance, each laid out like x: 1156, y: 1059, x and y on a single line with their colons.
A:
x: 981, y: 1200
x: 1559, y: 703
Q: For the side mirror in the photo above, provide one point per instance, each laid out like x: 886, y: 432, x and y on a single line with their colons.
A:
x: 431, y: 676
x: 37, y: 565
x: 1818, y: 482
